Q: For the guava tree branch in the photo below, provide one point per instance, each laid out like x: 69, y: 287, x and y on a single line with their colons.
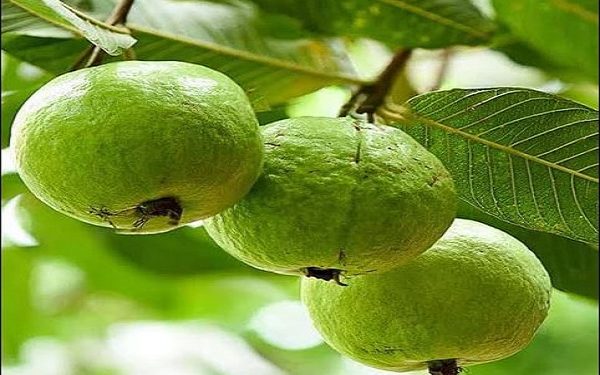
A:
x: 442, y: 70
x: 371, y: 96
x: 94, y: 55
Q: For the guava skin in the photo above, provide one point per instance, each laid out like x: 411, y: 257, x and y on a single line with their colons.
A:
x: 338, y: 194
x: 112, y: 145
x: 477, y: 295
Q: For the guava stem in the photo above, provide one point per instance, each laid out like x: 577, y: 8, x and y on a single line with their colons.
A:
x: 444, y: 367
x: 120, y: 12
x: 371, y: 96
x: 94, y: 55
x: 442, y: 70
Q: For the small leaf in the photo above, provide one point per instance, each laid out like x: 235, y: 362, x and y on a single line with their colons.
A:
x: 520, y: 155
x: 564, y: 31
x: 53, y: 18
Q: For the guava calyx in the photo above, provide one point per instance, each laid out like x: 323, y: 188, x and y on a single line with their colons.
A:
x: 326, y: 274
x: 444, y: 367
x: 168, y: 206
x: 162, y: 207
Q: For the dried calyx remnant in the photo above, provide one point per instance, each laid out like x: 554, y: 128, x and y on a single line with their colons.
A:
x: 166, y: 207
x: 326, y: 274
x: 444, y: 367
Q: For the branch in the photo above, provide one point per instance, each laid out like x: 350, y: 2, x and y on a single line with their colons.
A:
x: 442, y: 70
x: 94, y: 55
x: 371, y: 96
x: 120, y: 12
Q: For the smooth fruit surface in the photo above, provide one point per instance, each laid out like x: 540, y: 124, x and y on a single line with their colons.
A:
x: 477, y: 295
x: 141, y: 146
x: 338, y: 195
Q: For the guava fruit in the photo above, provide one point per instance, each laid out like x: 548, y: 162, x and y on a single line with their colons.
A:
x: 338, y: 196
x: 477, y: 295
x: 143, y: 147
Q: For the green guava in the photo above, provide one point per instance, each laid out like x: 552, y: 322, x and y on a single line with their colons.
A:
x: 338, y: 196
x: 477, y: 295
x: 143, y: 147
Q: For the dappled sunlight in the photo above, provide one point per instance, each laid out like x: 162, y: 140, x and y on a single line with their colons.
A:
x: 287, y: 325
x: 8, y: 161
x: 13, y: 230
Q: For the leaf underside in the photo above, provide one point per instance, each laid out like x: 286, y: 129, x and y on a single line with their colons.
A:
x: 225, y: 37
x: 36, y: 17
x: 520, y: 155
x: 398, y: 23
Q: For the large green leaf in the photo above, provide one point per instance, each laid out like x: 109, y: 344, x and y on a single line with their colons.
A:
x: 31, y: 17
x: 226, y: 37
x: 572, y: 265
x: 563, y: 31
x: 398, y: 23
x: 520, y: 155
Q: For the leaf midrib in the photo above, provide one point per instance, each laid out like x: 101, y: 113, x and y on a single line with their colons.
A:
x: 509, y: 150
x: 246, y: 55
x: 435, y: 18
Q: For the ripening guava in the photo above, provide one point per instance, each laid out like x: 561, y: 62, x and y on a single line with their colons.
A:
x: 338, y: 196
x: 477, y: 295
x: 140, y: 146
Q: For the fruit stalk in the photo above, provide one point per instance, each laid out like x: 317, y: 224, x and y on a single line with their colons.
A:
x: 371, y: 96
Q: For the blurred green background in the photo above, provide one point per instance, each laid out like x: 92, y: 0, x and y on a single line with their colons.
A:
x: 81, y: 300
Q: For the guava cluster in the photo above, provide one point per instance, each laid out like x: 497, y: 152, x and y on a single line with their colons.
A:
x: 362, y: 211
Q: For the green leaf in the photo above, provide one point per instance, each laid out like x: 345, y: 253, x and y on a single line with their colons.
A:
x: 572, y: 265
x: 523, y: 156
x: 225, y: 37
x: 399, y: 23
x: 184, y: 252
x: 564, y: 31
x: 523, y: 54
x: 45, y: 16
x: 83, y: 245
x: 18, y: 317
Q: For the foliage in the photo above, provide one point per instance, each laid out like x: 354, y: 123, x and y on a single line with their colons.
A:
x: 524, y: 159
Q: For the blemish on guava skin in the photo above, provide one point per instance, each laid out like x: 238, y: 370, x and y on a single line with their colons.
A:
x: 272, y: 144
x: 357, y: 154
x: 434, y: 179
x: 326, y: 274
x: 342, y: 258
